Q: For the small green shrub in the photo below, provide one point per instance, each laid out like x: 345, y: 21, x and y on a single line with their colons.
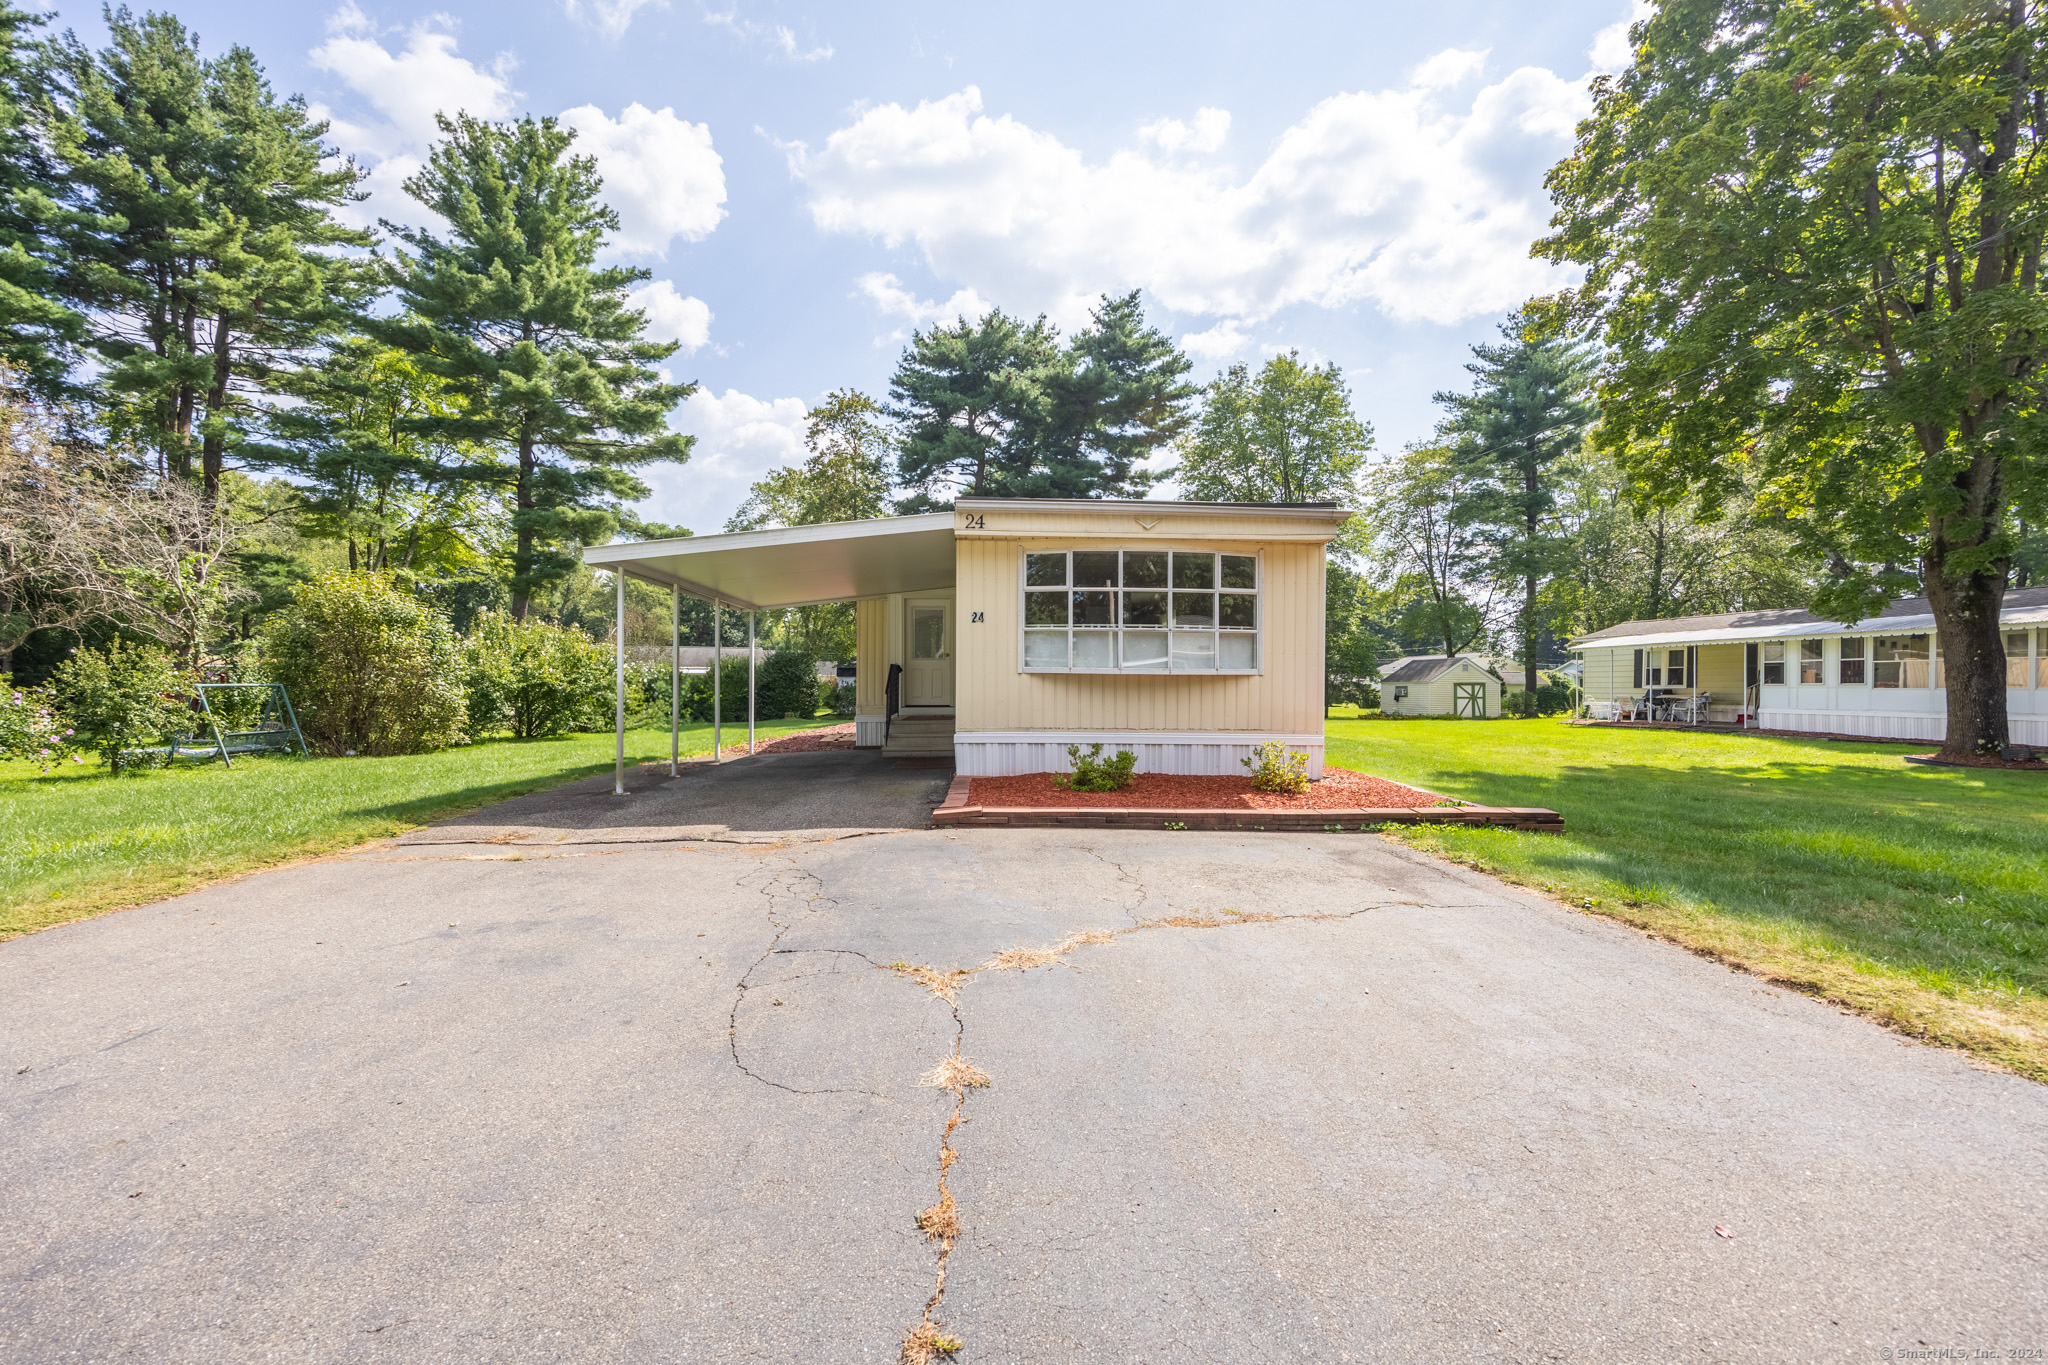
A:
x: 121, y: 701
x: 786, y: 684
x: 837, y: 695
x: 31, y: 729
x: 537, y: 679
x: 1094, y: 773
x: 732, y: 687
x: 370, y: 668
x: 1276, y: 768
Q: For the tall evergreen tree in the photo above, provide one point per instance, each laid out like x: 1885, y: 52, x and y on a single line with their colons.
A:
x: 213, y: 270
x: 511, y: 309
x: 1288, y: 436
x: 967, y: 395
x: 1120, y: 396
x: 38, y: 330
x: 1530, y: 405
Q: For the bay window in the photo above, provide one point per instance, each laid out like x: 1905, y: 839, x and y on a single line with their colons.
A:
x: 1140, y: 611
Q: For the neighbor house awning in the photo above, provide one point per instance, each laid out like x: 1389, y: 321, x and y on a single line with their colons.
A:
x: 796, y: 566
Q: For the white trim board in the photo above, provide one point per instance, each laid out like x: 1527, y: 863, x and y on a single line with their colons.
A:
x: 1010, y: 753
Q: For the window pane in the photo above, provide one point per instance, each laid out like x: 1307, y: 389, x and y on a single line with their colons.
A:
x: 1237, y: 651
x: 1194, y: 609
x: 1852, y: 647
x: 2016, y: 660
x: 1852, y: 670
x: 1240, y: 571
x: 1144, y: 608
x: 1810, y: 652
x: 1045, y: 571
x: 928, y: 633
x: 1045, y: 608
x: 1194, y: 649
x: 1144, y: 649
x: 1094, y: 608
x: 1194, y: 571
x: 1144, y: 568
x: 1774, y: 652
x: 1045, y: 649
x: 1674, y: 673
x: 1240, y: 611
x: 1095, y: 568
x: 1095, y: 649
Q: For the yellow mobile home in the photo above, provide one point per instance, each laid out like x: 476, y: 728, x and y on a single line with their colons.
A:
x: 1007, y: 629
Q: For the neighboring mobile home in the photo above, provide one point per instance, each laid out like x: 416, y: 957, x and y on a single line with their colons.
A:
x: 1439, y: 685
x: 1007, y: 629
x: 1791, y: 670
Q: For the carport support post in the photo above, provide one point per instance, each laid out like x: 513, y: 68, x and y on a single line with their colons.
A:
x: 717, y: 677
x: 750, y: 683
x: 619, y: 703
x: 675, y: 676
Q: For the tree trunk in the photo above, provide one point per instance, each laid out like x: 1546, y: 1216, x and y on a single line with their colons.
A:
x: 213, y: 446
x: 522, y: 552
x: 1973, y: 653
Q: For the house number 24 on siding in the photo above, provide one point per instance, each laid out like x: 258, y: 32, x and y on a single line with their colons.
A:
x: 976, y: 619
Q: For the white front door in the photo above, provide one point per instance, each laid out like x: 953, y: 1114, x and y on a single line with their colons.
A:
x: 928, y: 659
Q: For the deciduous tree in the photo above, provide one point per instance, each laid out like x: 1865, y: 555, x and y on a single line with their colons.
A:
x: 1288, y: 436
x: 1812, y: 233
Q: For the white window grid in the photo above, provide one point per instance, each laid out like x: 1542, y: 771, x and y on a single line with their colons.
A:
x: 1110, y: 612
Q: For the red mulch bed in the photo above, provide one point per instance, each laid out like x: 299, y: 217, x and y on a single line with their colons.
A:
x: 800, y: 742
x: 1340, y: 789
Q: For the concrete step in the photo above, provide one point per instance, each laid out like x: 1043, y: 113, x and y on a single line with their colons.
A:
x: 919, y: 736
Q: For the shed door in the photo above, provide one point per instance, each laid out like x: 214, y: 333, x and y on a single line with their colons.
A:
x: 1468, y: 699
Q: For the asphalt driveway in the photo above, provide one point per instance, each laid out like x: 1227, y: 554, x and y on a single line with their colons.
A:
x: 641, y: 1080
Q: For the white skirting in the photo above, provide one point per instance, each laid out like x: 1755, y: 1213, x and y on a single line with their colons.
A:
x: 870, y: 732
x: 1007, y: 753
x: 2028, y: 730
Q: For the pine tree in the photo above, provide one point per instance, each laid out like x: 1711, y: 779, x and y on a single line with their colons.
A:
x: 1530, y: 404
x: 38, y: 331
x: 1120, y: 396
x: 967, y: 395
x: 512, y: 311
x: 214, y: 270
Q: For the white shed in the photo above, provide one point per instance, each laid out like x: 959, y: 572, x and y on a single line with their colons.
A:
x: 1439, y: 685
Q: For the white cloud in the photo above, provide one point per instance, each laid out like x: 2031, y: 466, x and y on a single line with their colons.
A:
x: 1398, y: 198
x: 893, y: 300
x: 609, y: 17
x: 1611, y: 51
x: 672, y: 316
x: 1206, y: 134
x: 739, y: 438
x: 660, y: 173
x: 779, y: 37
x: 1447, y: 69
x: 404, y: 90
x: 1222, y: 340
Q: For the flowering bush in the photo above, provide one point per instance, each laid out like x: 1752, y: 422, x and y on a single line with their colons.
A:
x: 126, y: 702
x: 30, y: 729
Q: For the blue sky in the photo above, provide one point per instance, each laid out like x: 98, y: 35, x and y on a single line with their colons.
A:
x: 810, y: 183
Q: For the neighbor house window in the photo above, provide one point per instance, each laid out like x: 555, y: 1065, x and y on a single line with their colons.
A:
x: 1674, y: 667
x: 1140, y: 611
x: 1401, y: 692
x: 1810, y: 661
x: 1898, y: 661
x: 2041, y: 658
x: 1851, y: 670
x: 1774, y: 662
x: 2016, y: 659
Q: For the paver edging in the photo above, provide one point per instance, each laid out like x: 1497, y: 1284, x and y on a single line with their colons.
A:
x: 956, y: 813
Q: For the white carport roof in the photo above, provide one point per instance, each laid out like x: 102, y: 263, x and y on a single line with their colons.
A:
x: 797, y: 566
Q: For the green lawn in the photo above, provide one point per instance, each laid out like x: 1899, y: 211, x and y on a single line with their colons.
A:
x: 1917, y: 894
x: 79, y: 842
